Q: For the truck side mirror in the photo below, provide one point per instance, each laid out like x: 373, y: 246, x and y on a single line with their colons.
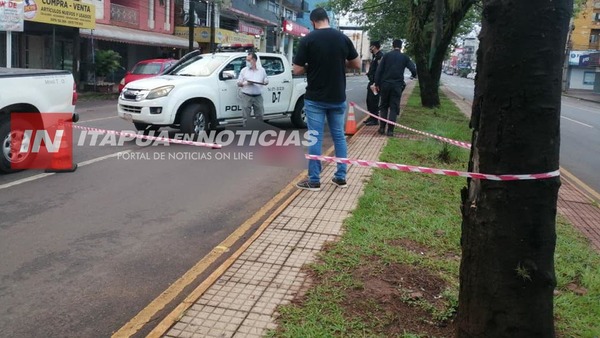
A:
x: 228, y: 75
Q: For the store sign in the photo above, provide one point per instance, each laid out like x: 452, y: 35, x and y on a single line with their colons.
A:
x: 222, y: 36
x: 292, y: 28
x: 578, y: 57
x: 249, y: 29
x: 11, y: 16
x: 70, y: 13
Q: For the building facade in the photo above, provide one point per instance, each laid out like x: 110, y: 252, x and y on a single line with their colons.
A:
x: 145, y: 29
x: 582, y: 70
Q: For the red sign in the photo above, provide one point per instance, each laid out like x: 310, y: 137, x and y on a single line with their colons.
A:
x: 292, y: 28
x: 41, y: 141
x: 249, y: 29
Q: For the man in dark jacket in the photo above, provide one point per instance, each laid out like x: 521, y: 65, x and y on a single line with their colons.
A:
x: 389, y: 80
x: 372, y: 99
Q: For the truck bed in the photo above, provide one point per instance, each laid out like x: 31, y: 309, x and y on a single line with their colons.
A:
x: 19, y: 72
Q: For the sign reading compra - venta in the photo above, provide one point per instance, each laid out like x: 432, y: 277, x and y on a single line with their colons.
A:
x: 61, y: 12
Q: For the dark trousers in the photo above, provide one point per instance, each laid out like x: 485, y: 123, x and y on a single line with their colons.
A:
x: 372, y: 102
x: 390, y: 100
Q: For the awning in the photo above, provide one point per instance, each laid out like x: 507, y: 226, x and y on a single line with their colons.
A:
x: 134, y: 36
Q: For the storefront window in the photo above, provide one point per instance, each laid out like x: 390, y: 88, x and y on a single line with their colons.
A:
x: 589, y: 78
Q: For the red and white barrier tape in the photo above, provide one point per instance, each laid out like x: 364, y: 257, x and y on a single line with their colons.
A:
x: 152, y: 138
x: 425, y: 170
x: 444, y: 139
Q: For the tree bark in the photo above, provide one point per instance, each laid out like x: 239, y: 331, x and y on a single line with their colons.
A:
x: 507, y: 273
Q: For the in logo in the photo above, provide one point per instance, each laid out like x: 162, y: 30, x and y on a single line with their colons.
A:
x: 39, y: 141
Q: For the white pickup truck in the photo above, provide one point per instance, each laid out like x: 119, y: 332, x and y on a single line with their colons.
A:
x: 31, y: 91
x: 200, y: 93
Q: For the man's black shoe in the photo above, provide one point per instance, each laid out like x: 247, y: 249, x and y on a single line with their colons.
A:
x: 308, y: 185
x: 390, y: 133
x: 339, y: 182
x: 381, y: 130
x: 371, y: 123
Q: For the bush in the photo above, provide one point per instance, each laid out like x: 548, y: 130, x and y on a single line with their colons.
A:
x: 106, y: 61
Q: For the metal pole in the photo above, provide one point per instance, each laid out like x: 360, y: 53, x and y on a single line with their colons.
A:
x: 53, y: 47
x: 8, y: 49
x: 191, y: 24
x: 362, y: 37
x: 212, y: 27
x: 93, y: 58
x: 566, y: 73
x: 280, y: 35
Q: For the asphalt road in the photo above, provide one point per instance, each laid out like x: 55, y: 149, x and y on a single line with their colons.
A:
x: 580, y: 132
x: 82, y: 253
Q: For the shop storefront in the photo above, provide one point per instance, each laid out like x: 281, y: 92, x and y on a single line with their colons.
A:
x: 51, y: 34
x: 582, y: 74
x: 223, y: 38
x: 292, y: 31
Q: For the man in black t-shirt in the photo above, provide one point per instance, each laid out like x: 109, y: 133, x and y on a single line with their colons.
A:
x: 324, y: 54
x: 389, y: 80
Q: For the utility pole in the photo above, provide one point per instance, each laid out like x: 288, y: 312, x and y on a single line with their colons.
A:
x: 191, y: 24
x: 212, y: 26
x: 566, y: 72
x: 279, y: 36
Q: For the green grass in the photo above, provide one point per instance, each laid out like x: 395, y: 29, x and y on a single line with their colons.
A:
x: 423, y: 209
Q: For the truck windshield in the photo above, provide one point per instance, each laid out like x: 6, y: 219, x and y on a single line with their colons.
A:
x: 201, y: 65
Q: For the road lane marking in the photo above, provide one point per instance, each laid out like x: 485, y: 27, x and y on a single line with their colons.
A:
x: 583, y: 124
x: 25, y: 180
x: 80, y: 164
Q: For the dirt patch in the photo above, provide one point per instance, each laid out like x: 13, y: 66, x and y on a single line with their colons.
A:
x: 409, y: 245
x: 398, y: 298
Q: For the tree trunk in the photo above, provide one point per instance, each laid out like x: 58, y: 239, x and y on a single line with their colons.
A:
x: 507, y: 274
x: 429, y: 82
x: 429, y: 46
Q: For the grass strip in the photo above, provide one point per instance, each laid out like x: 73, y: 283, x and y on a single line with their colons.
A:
x: 395, y: 271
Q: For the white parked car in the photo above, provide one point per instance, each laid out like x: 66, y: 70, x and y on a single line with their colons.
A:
x: 200, y: 92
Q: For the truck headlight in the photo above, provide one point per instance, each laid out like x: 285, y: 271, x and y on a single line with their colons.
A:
x: 159, y: 92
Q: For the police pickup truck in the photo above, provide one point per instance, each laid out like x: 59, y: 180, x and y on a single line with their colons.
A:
x: 31, y: 91
x: 200, y: 93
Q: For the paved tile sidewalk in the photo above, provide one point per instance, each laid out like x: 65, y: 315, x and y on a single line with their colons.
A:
x: 243, y: 301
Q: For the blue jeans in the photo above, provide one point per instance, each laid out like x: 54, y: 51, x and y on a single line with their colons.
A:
x: 316, y: 112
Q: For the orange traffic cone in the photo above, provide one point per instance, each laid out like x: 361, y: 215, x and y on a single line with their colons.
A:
x: 62, y: 161
x: 351, y: 122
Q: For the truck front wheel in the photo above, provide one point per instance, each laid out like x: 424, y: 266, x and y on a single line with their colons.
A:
x: 299, y: 115
x: 195, y: 118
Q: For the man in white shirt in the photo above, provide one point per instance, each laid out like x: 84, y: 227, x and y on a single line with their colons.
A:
x: 251, y: 79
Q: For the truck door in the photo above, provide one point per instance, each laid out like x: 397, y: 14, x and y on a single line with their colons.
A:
x: 230, y: 104
x: 278, y: 93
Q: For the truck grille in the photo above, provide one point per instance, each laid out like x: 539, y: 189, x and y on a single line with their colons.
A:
x: 132, y: 94
x: 131, y: 109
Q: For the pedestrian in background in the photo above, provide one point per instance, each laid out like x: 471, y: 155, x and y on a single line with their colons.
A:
x: 389, y: 81
x: 251, y: 79
x: 324, y: 54
x: 372, y: 98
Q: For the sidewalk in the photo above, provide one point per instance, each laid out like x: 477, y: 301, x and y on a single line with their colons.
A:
x: 243, y: 301
x: 584, y: 95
